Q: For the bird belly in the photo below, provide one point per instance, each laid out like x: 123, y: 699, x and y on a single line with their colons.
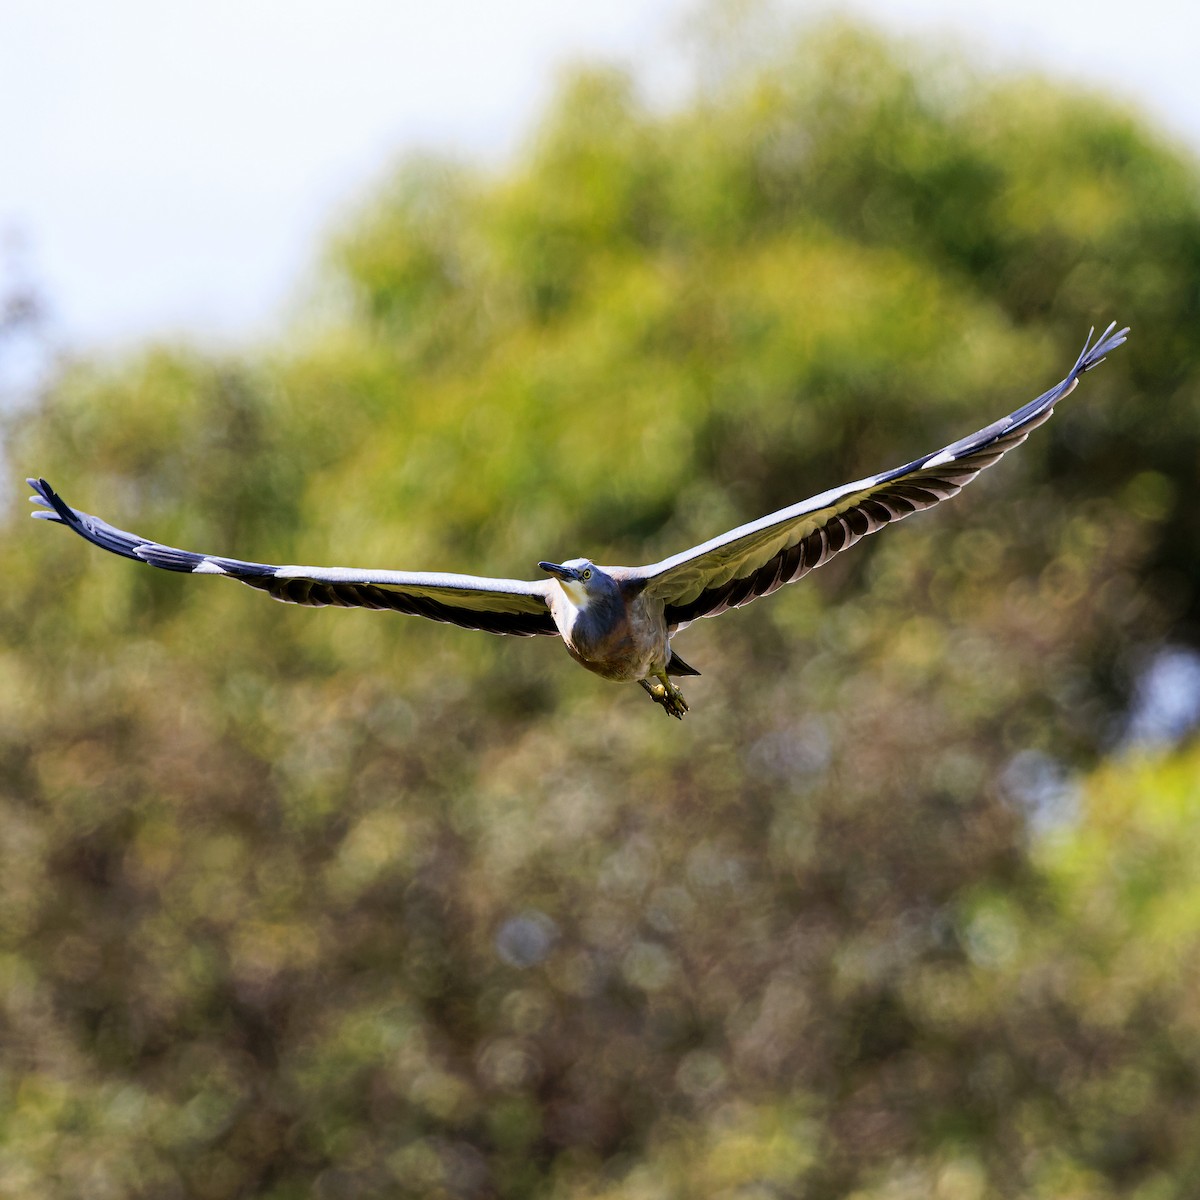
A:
x: 621, y: 661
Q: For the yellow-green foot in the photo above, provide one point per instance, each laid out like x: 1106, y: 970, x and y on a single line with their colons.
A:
x: 663, y: 691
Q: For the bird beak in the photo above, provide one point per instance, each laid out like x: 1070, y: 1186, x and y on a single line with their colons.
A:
x: 561, y: 572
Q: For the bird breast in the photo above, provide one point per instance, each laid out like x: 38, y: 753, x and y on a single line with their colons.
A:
x: 612, y: 640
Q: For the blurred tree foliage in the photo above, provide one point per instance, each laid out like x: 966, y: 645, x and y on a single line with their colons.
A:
x: 340, y: 904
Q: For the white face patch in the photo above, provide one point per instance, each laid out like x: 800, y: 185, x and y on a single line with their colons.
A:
x: 576, y: 593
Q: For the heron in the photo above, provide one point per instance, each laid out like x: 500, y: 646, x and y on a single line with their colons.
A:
x: 618, y: 622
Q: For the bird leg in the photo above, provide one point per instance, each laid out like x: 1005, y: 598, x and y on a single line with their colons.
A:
x: 664, y: 692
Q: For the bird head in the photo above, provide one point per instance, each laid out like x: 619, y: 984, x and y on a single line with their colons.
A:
x: 580, y: 579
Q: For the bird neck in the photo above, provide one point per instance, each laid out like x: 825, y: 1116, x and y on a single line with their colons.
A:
x: 587, y: 628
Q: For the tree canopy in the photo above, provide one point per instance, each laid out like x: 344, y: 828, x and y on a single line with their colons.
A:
x: 343, y: 904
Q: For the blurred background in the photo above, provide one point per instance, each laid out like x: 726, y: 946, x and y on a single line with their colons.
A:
x: 336, y: 903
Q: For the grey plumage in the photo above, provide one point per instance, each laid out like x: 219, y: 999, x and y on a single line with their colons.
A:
x: 618, y: 621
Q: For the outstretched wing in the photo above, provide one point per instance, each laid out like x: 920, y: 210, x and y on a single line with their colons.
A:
x: 495, y: 605
x: 755, y: 559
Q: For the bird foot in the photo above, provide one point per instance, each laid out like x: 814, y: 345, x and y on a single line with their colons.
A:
x: 664, y: 692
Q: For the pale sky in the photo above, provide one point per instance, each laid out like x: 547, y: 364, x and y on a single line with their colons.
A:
x: 168, y: 167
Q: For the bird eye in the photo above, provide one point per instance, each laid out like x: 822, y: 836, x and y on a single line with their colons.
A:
x: 587, y: 574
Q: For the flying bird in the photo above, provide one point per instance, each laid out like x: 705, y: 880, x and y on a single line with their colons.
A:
x: 619, y: 621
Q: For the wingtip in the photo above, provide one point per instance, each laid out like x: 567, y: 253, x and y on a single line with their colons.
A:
x: 1093, y: 354
x: 39, y: 488
x: 47, y: 498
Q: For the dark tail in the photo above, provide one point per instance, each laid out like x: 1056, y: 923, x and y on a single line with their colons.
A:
x: 677, y: 666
